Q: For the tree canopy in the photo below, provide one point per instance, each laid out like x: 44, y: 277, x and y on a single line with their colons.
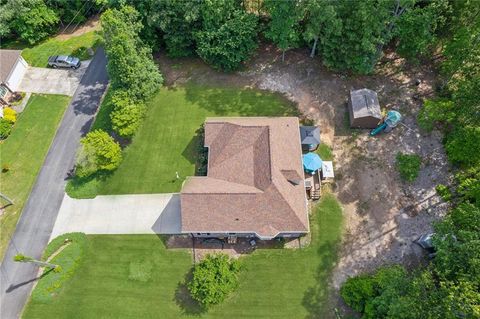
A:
x: 130, y: 64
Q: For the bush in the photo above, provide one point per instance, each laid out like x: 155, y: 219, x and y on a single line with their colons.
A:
x: 5, y: 128
x: 68, y: 261
x: 444, y: 192
x: 408, y: 166
x: 213, y: 279
x: 10, y: 115
x: 98, y: 152
x: 462, y: 145
x: 127, y: 114
x: 356, y: 291
x: 434, y: 111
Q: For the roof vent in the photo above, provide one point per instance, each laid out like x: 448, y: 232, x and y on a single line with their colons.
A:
x: 295, y: 181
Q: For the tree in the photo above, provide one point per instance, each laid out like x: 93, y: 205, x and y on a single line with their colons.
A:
x: 126, y: 115
x: 284, y: 26
x: 179, y: 21
x: 213, y: 279
x: 130, y: 65
x: 231, y: 43
x: 227, y: 36
x: 351, y: 37
x: 462, y: 145
x: 33, y: 20
x: 98, y: 152
x: 416, y: 33
x: 320, y: 15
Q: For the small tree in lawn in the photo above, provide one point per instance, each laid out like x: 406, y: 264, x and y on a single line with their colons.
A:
x: 213, y: 279
x: 127, y: 114
x: 98, y: 152
x: 283, y: 28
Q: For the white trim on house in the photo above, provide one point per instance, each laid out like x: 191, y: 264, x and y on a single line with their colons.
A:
x: 16, y: 74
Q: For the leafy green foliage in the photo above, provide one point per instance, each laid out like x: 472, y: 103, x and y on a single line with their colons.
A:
x: 351, y: 36
x: 34, y: 21
x: 416, y: 33
x: 213, y: 279
x: 444, y: 192
x: 284, y: 26
x: 469, y: 185
x: 127, y: 114
x: 228, y: 35
x: 130, y: 65
x: 462, y: 145
x: 408, y: 166
x: 5, y: 128
x: 71, y: 249
x: 434, y: 111
x: 179, y: 21
x: 98, y: 152
x: 357, y: 291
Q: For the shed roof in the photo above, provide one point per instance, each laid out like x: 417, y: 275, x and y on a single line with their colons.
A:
x: 364, y: 102
x: 310, y: 134
x: 8, y: 58
x: 255, y: 179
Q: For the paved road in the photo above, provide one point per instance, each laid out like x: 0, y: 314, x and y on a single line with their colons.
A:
x: 40, y: 212
x: 120, y: 214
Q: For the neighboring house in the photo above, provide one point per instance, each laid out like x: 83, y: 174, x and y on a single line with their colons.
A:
x: 12, y: 69
x: 255, y: 181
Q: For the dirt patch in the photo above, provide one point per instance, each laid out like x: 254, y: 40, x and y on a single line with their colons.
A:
x: 92, y: 24
x: 383, y: 215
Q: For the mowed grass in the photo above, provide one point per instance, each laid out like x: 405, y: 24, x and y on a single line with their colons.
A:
x: 38, y: 55
x: 167, y: 141
x: 274, y: 283
x: 24, y: 152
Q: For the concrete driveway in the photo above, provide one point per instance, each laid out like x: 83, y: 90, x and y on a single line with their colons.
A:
x: 120, y: 214
x: 52, y: 81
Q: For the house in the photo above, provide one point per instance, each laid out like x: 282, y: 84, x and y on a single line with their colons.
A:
x: 12, y: 69
x: 255, y: 181
x: 364, y: 109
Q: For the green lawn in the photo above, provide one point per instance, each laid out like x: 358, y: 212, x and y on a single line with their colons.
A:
x: 24, y: 151
x: 274, y: 283
x: 166, y: 142
x: 38, y: 54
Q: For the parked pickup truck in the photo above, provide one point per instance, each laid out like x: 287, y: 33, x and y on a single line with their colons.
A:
x: 64, y: 61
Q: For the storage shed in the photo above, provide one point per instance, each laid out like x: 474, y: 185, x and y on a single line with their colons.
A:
x: 364, y: 109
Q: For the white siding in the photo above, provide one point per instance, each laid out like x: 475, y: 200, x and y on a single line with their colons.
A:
x: 16, y: 74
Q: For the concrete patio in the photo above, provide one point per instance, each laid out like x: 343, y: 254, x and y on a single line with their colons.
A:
x: 120, y: 214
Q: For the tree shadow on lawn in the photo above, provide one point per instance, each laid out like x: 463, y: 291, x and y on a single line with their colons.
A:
x: 316, y: 297
x: 244, y: 102
x: 184, y: 300
x: 196, y: 153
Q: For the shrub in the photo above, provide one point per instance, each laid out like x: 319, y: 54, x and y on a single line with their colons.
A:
x: 5, y: 167
x: 5, y: 128
x: 408, y: 166
x: 356, y: 291
x: 98, y: 152
x: 10, y: 115
x: 213, y: 279
x: 127, y: 114
x: 444, y: 192
x: 462, y: 145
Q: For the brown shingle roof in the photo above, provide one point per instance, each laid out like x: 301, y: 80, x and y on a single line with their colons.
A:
x: 252, y: 169
x: 8, y: 58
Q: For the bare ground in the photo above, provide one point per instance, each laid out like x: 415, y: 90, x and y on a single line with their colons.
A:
x: 383, y: 215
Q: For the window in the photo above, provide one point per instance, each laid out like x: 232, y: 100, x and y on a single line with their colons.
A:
x: 3, y: 91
